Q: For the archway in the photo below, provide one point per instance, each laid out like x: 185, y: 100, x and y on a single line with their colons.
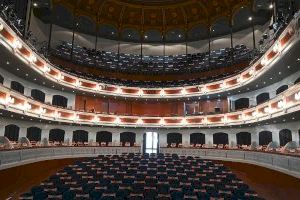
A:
x: 265, y: 137
x: 104, y: 136
x: 59, y: 100
x: 12, y: 132
x: 263, y: 97
x: 241, y: 103
x: 127, y: 137
x: 285, y: 136
x: 174, y: 138
x: 282, y: 89
x: 220, y: 138
x: 56, y: 135
x: 16, y: 86
x: 34, y: 134
x: 38, y: 95
x: 243, y: 138
x: 197, y: 138
x: 80, y: 136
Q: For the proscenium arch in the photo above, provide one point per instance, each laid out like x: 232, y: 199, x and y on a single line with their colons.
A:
x: 265, y: 137
x: 174, y: 138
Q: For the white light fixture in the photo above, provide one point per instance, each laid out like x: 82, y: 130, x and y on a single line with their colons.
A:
x: 266, y: 110
x: 162, y: 92
x: 1, y: 27
x: 32, y: 58
x: 140, y: 92
x: 264, y: 61
x: 46, y: 69
x: 297, y: 96
x: 250, y: 18
x: 280, y: 104
x: 162, y: 122
x: 277, y: 47
x: 140, y: 121
x: 119, y: 90
x: 27, y: 106
x: 17, y: 44
x: 10, y: 100
x: 183, y: 121
x: 271, y: 6
x: 254, y: 114
x: 183, y: 91
x: 117, y: 120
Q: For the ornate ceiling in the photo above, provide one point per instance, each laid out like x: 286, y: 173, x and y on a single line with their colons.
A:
x: 162, y: 15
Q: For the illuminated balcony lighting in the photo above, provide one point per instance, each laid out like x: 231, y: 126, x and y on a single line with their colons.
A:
x: 140, y: 121
x: 277, y: 47
x: 297, y: 96
x: 280, y: 104
x: 239, y: 79
x: 46, y: 69
x: 32, y: 58
x: 62, y: 77
x: 27, y: 106
x: 119, y: 91
x: 78, y: 83
x: 264, y: 61
x: 10, y: 100
x: 267, y: 110
x: 17, y: 44
x: 184, y: 122
x: 162, y: 92
x: 183, y: 91
x: 117, y: 120
x: 57, y: 114
x: 162, y: 122
x: 76, y: 117
x: 42, y: 110
x: 1, y: 26
x: 140, y: 92
x: 251, y: 72
x: 254, y: 114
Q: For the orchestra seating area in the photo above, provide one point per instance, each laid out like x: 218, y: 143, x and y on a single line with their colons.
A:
x: 136, y: 176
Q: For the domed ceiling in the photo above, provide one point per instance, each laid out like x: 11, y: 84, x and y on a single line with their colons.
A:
x: 178, y: 20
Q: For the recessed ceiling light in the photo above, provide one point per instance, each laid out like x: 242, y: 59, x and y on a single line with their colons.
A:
x: 288, y: 66
x: 34, y: 79
x: 7, y: 62
x: 18, y: 69
x: 26, y: 74
x: 279, y: 73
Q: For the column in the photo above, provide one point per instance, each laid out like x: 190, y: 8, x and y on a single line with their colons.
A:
x: 209, y: 139
x: 27, y: 92
x: 139, y: 139
x: 2, y: 130
x: 45, y: 137
x: 92, y: 137
x: 68, y: 137
x: 22, y: 132
x: 252, y: 102
x: 48, y: 98
x: 163, y: 140
x: 6, y: 82
x: 232, y: 140
x: 116, y: 139
x: 295, y: 137
x: 255, y: 138
x: 186, y: 139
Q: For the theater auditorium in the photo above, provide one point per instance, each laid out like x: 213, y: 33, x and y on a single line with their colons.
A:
x: 150, y: 99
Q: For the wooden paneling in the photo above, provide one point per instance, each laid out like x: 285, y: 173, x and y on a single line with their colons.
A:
x: 147, y: 108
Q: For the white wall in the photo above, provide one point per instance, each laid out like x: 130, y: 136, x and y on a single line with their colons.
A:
x: 28, y: 86
x: 41, y: 31
x: 271, y: 89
